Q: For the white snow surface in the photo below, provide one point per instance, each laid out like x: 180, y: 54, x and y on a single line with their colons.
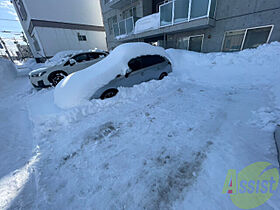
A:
x: 7, y: 72
x: 147, y: 23
x: 159, y: 145
x: 78, y: 88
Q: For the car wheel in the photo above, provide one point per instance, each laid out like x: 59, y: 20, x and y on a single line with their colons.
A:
x: 56, y: 77
x: 109, y: 94
x: 164, y: 74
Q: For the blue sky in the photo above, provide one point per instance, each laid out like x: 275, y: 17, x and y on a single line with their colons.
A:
x: 8, y: 13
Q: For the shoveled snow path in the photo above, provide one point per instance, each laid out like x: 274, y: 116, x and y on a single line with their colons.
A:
x: 17, y: 186
x: 159, y: 145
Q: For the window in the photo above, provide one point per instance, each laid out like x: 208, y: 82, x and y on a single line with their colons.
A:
x: 131, y: 12
x: 233, y: 41
x: 247, y: 38
x: 129, y: 22
x: 81, y: 58
x: 122, y: 27
x: 199, y: 8
x: 195, y: 43
x: 256, y: 37
x: 111, y: 22
x: 106, y: 1
x: 93, y: 56
x: 181, y: 12
x: 21, y: 9
x: 151, y: 60
x: 145, y: 61
x: 213, y: 8
x: 96, y: 55
x: 82, y: 37
x: 178, y: 11
x: 166, y: 14
x: 182, y: 43
x: 135, y: 64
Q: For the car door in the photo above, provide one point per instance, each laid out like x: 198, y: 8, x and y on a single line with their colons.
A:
x: 143, y: 69
x: 81, y: 63
x: 154, y: 66
x: 134, y: 75
x: 95, y: 57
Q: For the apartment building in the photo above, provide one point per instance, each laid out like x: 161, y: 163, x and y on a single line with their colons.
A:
x: 197, y: 25
x: 52, y: 26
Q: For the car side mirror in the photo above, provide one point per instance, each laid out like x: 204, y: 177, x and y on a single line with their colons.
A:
x: 128, y: 72
x: 72, y: 62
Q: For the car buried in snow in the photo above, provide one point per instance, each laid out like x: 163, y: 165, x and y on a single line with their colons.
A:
x: 70, y: 62
x: 127, y: 65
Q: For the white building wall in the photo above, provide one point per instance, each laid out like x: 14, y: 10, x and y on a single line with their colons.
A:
x: 70, y: 11
x: 53, y: 40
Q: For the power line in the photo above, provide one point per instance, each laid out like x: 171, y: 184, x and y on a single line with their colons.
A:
x: 5, y: 19
x: 11, y: 32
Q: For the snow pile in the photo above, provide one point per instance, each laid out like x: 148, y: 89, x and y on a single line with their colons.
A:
x: 153, y: 146
x: 121, y: 36
x: 29, y: 65
x: 147, y: 23
x: 78, y: 87
x: 245, y: 68
x: 7, y: 72
x: 61, y: 57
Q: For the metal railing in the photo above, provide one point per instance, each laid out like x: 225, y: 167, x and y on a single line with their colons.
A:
x: 178, y: 11
x: 124, y: 27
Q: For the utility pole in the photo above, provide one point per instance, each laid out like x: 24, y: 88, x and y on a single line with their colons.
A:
x: 6, y: 49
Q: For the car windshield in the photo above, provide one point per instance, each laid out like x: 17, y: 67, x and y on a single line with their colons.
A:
x: 59, y: 58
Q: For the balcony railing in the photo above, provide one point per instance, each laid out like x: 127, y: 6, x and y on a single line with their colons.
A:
x: 124, y: 27
x: 170, y: 13
x: 178, y: 11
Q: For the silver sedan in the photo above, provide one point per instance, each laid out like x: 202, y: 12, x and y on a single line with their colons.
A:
x: 141, y: 69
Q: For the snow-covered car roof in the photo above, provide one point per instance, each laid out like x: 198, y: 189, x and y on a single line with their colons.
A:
x: 63, y: 56
x: 78, y: 87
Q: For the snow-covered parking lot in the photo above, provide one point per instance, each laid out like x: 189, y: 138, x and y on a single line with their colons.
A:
x: 159, y: 145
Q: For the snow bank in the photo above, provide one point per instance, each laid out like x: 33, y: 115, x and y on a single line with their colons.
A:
x: 7, y: 72
x: 26, y: 67
x: 245, y: 68
x: 78, y: 87
x: 147, y: 23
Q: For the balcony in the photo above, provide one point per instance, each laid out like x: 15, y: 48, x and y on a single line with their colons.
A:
x: 173, y: 16
x: 179, y: 11
x: 124, y: 27
x: 119, y: 4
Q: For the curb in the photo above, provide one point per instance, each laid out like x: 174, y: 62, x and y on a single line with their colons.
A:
x: 277, y: 141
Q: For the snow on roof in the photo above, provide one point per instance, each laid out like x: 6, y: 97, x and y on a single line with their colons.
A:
x: 78, y: 87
